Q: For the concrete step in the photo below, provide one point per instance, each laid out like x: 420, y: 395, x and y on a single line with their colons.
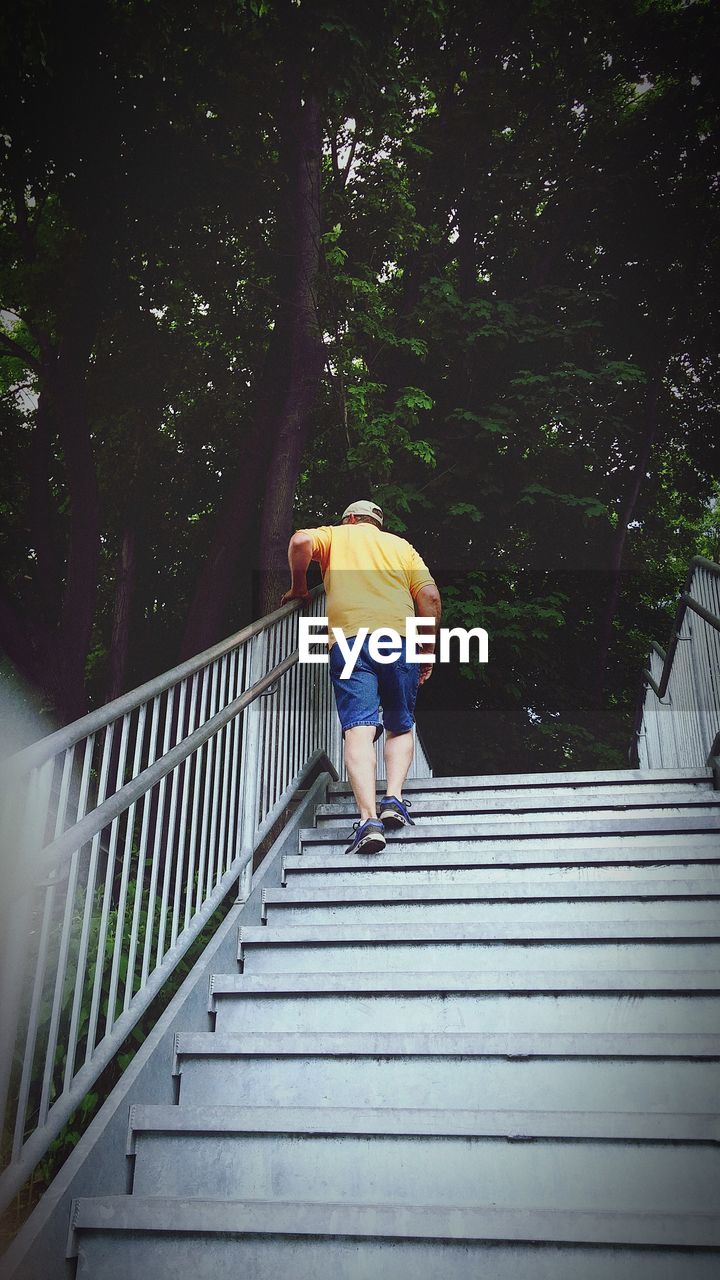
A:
x: 454, y: 982
x: 112, y: 1226
x: 538, y: 961
x: 449, y: 1003
x: 325, y: 871
x: 570, y: 1071
x: 118, y: 1255
x: 264, y: 952
x: 690, y: 1127
x: 542, y: 828
x: 439, y: 807
x: 455, y: 855
x: 600, y: 779
x: 693, y: 882
x: 458, y: 944
x: 419, y: 1157
x: 313, y: 1258
x: 503, y: 902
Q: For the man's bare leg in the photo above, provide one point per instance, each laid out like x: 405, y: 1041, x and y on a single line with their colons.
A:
x: 399, y: 749
x: 360, y: 765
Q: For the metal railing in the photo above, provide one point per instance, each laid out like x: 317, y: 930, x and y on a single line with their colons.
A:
x: 679, y: 720
x: 123, y: 833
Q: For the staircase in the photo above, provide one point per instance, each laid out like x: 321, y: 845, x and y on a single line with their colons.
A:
x: 491, y: 1051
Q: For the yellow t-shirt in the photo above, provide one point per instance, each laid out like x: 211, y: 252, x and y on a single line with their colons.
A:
x: 371, y: 577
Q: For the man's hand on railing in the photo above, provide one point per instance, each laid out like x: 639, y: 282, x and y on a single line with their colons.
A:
x: 296, y: 593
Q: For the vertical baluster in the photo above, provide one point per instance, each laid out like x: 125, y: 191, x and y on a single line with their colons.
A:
x: 301, y: 672
x: 281, y: 736
x: 209, y: 758
x: 325, y: 715
x: 186, y: 788
x: 709, y: 666
x: 250, y: 756
x: 714, y: 660
x: 79, y: 990
x: 262, y: 711
x: 234, y: 773
x: 684, y: 701
x: 665, y: 715
x: 695, y: 710
x: 304, y: 702
x: 299, y: 720
x: 217, y: 741
x: 713, y: 603
x: 656, y: 711
x: 169, y: 846
x: 157, y: 843
x: 310, y: 695
x: 315, y: 727
x: 142, y: 859
x: 271, y: 715
x: 227, y: 733
x: 125, y: 875
x: 275, y: 727
x: 292, y: 727
x: 107, y: 902
x: 65, y: 939
x: 283, y: 752
x: 322, y: 719
x: 24, y: 823
x: 698, y: 662
x: 40, y: 965
x: 197, y: 788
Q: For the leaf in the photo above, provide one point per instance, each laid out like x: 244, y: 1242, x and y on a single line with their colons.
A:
x: 466, y: 509
x: 422, y: 450
x: 414, y: 398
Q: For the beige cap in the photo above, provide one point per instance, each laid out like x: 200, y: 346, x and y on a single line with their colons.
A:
x: 364, y: 508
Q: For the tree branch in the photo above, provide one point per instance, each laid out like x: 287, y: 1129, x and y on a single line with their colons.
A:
x: 14, y: 348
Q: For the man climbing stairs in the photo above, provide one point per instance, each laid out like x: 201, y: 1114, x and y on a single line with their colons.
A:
x: 491, y: 1050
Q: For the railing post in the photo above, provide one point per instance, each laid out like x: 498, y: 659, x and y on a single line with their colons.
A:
x: 24, y: 832
x: 250, y: 769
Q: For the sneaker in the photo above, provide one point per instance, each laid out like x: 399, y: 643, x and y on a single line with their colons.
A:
x: 394, y: 813
x: 368, y: 837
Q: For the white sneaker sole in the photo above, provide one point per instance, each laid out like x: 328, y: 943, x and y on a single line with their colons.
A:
x: 393, y: 820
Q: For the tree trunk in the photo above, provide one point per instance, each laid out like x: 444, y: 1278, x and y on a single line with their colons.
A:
x: 79, y: 595
x: 288, y: 387
x: 120, y: 637
x: 233, y: 543
x: 44, y: 527
x: 305, y: 357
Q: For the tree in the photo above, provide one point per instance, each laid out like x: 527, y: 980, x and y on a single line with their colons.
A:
x: 445, y: 255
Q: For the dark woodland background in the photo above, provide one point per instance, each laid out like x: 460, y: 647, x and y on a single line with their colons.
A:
x: 261, y: 259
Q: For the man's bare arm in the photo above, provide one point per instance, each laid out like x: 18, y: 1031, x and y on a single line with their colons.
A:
x: 428, y: 605
x: 299, y: 557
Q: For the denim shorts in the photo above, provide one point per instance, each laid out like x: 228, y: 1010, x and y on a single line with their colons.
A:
x: 370, y: 685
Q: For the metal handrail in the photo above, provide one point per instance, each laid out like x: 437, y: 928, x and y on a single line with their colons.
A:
x: 680, y: 725
x: 38, y: 752
x: 126, y: 830
x: 62, y: 848
x: 685, y: 602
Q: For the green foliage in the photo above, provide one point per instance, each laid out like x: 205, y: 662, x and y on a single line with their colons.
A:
x: 519, y: 266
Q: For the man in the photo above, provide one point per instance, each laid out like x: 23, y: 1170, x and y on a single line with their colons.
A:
x: 376, y: 580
